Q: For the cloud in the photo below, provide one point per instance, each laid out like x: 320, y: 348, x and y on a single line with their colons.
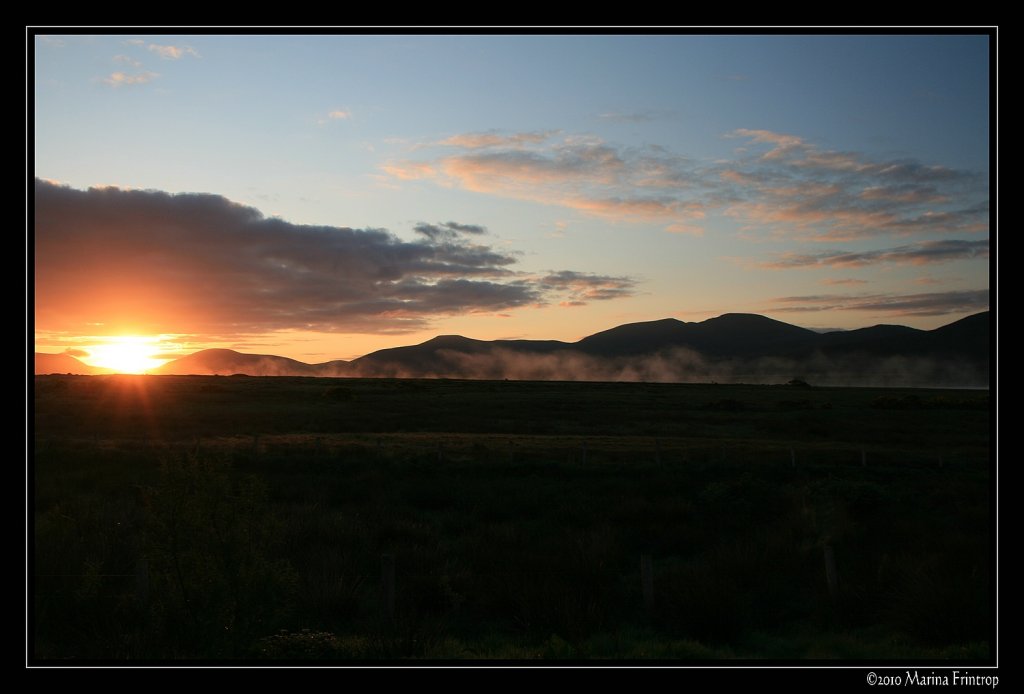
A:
x: 684, y: 229
x: 71, y: 351
x: 336, y: 114
x: 447, y: 231
x: 847, y: 280
x: 410, y: 170
x: 924, y: 253
x: 584, y: 287
x: 121, y: 79
x: 173, y: 52
x: 829, y: 195
x: 497, y: 171
x: 127, y: 60
x: 782, y: 145
x: 494, y: 139
x: 580, y: 173
x: 776, y: 183
x: 201, y: 264
x: 931, y: 304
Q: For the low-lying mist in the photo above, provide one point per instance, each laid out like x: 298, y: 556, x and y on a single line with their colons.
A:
x: 681, y: 365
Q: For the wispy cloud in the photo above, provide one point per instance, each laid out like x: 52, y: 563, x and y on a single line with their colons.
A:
x: 785, y: 183
x: 208, y: 266
x: 336, y: 114
x: 781, y: 145
x: 844, y: 280
x: 931, y: 304
x: 410, y: 170
x: 128, y: 60
x: 924, y: 253
x: 679, y: 228
x: 580, y: 173
x: 173, y: 52
x: 583, y: 288
x: 123, y: 79
x: 777, y: 183
x: 495, y: 139
x: 448, y: 231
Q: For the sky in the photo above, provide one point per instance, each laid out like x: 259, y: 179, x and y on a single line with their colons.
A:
x: 321, y: 197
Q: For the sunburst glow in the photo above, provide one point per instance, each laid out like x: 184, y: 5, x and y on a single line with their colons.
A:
x: 129, y: 354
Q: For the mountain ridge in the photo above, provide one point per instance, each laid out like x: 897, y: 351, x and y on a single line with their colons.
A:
x: 724, y: 348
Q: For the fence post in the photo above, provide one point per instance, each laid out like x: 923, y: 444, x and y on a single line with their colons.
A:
x: 863, y: 458
x: 792, y: 457
x: 657, y: 451
x: 387, y: 586
x: 255, y: 444
x: 584, y: 452
x: 647, y: 581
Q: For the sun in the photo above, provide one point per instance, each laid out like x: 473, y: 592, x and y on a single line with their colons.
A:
x: 127, y: 354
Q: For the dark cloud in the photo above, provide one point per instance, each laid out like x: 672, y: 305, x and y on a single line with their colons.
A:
x: 466, y: 228
x: 931, y: 304
x: 584, y: 287
x: 447, y: 231
x: 200, y: 264
x: 925, y: 253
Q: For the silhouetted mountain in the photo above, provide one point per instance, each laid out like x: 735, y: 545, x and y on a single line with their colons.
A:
x: 968, y: 337
x: 729, y: 335
x: 443, y: 355
x: 878, y: 339
x: 64, y: 364
x: 225, y: 362
x: 636, y: 338
x: 735, y: 347
x: 731, y: 347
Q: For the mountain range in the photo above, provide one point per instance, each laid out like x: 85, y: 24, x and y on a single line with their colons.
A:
x: 735, y: 347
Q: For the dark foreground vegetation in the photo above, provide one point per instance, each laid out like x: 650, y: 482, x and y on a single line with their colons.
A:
x: 311, y: 519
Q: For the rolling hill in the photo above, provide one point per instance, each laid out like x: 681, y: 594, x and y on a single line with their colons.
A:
x: 64, y: 364
x: 226, y: 362
x: 730, y: 348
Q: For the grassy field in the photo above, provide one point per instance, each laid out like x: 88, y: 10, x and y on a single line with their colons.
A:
x: 256, y: 518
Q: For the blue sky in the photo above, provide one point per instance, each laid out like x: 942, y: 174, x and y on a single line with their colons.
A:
x: 828, y: 181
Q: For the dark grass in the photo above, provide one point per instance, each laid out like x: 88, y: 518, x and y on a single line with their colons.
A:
x: 517, y: 514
